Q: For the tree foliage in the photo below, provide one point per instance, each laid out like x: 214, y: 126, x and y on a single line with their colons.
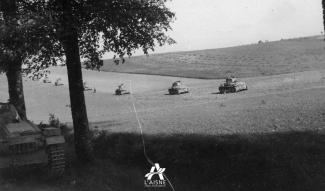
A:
x: 45, y: 31
x: 108, y: 25
x: 34, y: 35
x: 22, y: 39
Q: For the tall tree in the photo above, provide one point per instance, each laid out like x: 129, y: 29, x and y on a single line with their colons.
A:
x: 21, y: 43
x: 88, y: 28
x: 11, y: 62
x: 68, y: 36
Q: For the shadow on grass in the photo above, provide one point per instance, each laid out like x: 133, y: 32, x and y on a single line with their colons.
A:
x: 168, y: 94
x: 279, y: 161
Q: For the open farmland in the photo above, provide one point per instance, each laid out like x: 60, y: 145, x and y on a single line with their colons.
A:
x: 269, y: 58
x: 272, y: 103
x: 281, y: 102
x: 270, y: 137
x: 256, y: 139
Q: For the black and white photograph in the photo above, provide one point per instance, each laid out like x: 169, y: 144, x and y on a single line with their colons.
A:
x: 162, y: 95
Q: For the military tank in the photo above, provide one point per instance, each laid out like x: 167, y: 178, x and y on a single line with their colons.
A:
x: 121, y: 90
x: 232, y: 85
x: 58, y: 82
x: 46, y: 80
x: 86, y: 87
x: 22, y: 143
x: 178, y: 88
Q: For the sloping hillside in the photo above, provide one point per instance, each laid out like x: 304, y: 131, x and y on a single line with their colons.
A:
x: 268, y: 58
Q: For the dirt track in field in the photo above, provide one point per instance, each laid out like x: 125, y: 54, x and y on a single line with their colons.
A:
x: 273, y: 103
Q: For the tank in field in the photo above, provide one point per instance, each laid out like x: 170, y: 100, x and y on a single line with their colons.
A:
x: 22, y: 143
x: 121, y: 90
x: 178, y: 88
x: 86, y: 86
x: 46, y: 80
x: 232, y: 85
x: 58, y: 82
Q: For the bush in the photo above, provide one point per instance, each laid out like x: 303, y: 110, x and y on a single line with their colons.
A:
x: 55, y: 122
x: 119, y: 147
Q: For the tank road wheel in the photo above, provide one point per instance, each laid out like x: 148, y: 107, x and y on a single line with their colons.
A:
x: 56, y: 159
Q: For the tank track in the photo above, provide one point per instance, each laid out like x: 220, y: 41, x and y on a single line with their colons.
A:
x: 224, y: 90
x: 56, y: 159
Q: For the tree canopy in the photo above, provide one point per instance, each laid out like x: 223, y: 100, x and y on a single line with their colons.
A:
x: 85, y: 29
x: 104, y: 26
x: 33, y: 34
x: 23, y: 39
x: 38, y: 33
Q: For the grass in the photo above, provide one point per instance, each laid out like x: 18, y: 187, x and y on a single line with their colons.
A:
x: 285, y: 56
x: 278, y: 161
x: 281, y: 160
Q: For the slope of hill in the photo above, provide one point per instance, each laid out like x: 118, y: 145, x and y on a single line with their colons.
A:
x: 269, y: 58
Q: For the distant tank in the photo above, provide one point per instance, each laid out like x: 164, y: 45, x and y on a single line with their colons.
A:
x: 232, y: 85
x: 178, y: 88
x: 22, y: 143
x: 46, y: 80
x: 121, y: 90
x: 58, y: 82
x: 86, y: 87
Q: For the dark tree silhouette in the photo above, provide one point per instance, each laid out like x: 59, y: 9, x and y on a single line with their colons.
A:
x: 11, y: 62
x: 21, y: 43
x: 88, y: 28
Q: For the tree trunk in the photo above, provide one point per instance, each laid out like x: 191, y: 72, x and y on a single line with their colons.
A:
x: 69, y: 38
x: 13, y: 70
x: 15, y: 87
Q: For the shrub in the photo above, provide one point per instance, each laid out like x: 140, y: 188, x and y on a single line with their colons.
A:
x: 55, y: 122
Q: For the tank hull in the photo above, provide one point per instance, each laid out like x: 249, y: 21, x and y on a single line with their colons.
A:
x: 178, y: 88
x: 175, y: 91
x: 233, y: 88
x: 121, y: 92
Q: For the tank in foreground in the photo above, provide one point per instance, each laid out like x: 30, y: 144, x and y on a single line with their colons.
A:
x: 22, y: 143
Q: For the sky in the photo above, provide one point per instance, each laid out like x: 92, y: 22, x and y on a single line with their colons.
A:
x: 207, y: 24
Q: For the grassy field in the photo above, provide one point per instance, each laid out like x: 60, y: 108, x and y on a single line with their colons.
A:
x: 269, y: 58
x: 270, y: 137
